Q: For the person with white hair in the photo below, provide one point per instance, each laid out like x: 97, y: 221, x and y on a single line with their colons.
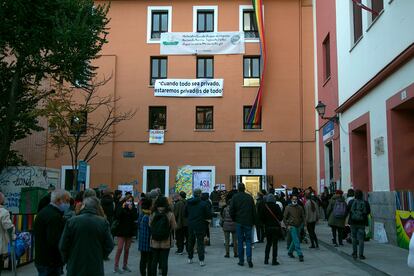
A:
x: 48, y: 227
x: 6, y: 230
x: 82, y: 252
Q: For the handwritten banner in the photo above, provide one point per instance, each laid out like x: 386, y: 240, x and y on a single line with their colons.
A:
x: 202, y: 43
x: 156, y: 136
x: 188, y: 88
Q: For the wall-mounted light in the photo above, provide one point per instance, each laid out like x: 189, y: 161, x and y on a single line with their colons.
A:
x: 321, y: 108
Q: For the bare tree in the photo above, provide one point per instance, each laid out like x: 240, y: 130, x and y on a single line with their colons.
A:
x: 81, y: 118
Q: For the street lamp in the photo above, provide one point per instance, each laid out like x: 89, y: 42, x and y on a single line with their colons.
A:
x: 321, y: 108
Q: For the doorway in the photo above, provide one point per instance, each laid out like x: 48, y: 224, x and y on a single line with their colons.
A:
x: 329, y: 165
x: 401, y: 146
x: 253, y: 184
x: 156, y: 177
x: 67, y: 174
x: 360, y: 158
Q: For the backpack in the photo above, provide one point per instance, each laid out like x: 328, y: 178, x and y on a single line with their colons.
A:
x: 160, y: 227
x: 358, y: 210
x: 339, y: 209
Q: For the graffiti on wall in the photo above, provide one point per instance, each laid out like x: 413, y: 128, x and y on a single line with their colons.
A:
x: 21, y: 176
x: 13, y: 179
x: 405, y: 227
x: 184, y: 180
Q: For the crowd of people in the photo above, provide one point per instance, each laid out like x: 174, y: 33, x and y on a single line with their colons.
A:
x: 80, y: 231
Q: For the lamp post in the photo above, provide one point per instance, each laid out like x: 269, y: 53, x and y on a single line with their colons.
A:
x: 321, y: 108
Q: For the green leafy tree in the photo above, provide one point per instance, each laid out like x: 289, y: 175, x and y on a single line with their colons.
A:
x: 40, y: 41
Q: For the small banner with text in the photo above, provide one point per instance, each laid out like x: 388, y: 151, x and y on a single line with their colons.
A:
x: 156, y: 136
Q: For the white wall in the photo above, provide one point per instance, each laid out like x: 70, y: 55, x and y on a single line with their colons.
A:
x: 13, y: 179
x: 375, y: 103
x: 387, y: 37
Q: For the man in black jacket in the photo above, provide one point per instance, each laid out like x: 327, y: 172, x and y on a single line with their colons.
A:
x: 107, y: 203
x: 44, y: 201
x: 196, y: 212
x: 84, y: 253
x: 48, y: 228
x: 243, y: 212
x: 215, y: 199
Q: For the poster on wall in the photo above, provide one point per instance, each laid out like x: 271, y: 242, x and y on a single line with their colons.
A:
x: 188, y: 88
x: 202, y: 180
x: 405, y: 227
x: 221, y: 187
x: 211, y: 43
x: 184, y: 180
x: 156, y: 136
x: 322, y: 185
x: 126, y: 188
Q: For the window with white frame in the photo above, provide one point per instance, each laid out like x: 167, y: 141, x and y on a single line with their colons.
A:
x: 251, y: 70
x: 158, y: 22
x: 248, y: 23
x: 250, y: 159
x: 205, y: 18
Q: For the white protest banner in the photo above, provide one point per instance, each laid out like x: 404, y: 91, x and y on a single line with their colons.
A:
x: 213, y: 43
x: 188, y: 88
x: 156, y: 136
x: 126, y: 188
x: 202, y: 180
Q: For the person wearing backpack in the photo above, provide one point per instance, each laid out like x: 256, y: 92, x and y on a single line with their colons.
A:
x: 359, y: 210
x: 162, y: 223
x: 337, y: 212
x: 229, y: 228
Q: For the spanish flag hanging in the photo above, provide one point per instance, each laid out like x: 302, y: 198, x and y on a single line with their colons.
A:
x: 255, y: 112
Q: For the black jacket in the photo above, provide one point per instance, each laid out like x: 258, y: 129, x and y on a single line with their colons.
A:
x: 215, y: 196
x: 127, y: 221
x: 259, y: 206
x: 107, y: 204
x: 266, y: 217
x: 242, y: 209
x: 48, y: 227
x: 85, y: 242
x: 197, y: 212
x: 44, y: 201
x: 230, y: 195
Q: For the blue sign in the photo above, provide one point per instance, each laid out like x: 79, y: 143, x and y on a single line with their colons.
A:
x: 82, y: 171
x: 328, y: 130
